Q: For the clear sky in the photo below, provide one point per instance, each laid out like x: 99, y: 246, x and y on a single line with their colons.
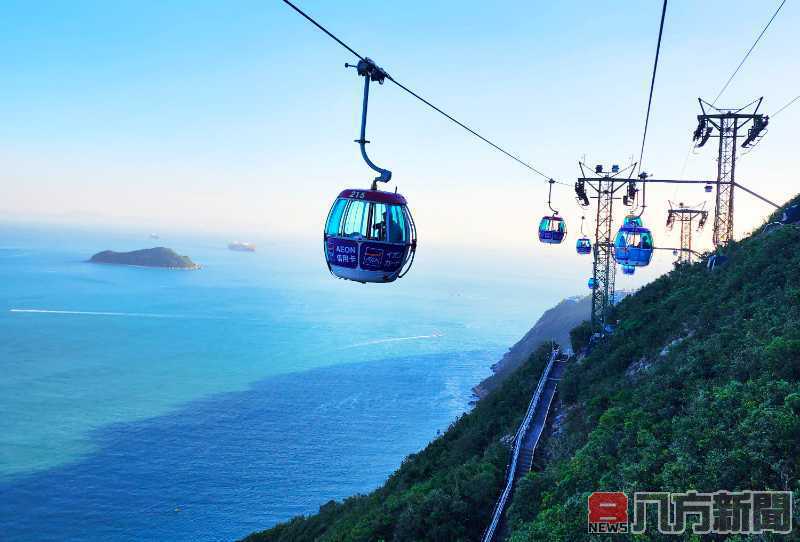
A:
x: 239, y: 116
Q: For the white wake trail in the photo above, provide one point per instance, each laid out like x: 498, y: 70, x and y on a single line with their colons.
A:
x: 98, y: 313
x: 434, y: 335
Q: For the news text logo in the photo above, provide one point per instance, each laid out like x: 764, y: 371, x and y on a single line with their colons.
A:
x: 721, y: 512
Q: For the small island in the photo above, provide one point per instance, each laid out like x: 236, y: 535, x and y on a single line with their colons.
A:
x: 148, y: 257
x: 241, y: 246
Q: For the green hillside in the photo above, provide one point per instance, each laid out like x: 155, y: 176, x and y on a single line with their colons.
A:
x: 699, y: 388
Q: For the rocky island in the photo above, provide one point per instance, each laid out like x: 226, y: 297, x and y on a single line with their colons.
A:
x: 148, y: 257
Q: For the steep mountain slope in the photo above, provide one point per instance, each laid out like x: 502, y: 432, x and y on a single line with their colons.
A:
x: 698, y: 389
x: 553, y: 325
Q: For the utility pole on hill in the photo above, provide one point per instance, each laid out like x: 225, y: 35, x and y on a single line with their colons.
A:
x: 686, y: 216
x: 604, y: 187
x: 725, y: 124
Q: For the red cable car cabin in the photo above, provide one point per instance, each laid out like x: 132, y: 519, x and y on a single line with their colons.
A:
x: 369, y: 236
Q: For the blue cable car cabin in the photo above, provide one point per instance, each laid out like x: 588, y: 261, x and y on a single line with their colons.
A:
x: 583, y: 246
x: 592, y: 283
x: 633, y: 245
x: 552, y: 230
x: 369, y: 236
x: 628, y: 269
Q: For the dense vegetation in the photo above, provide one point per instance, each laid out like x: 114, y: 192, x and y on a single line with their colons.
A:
x: 698, y: 388
x: 444, y: 493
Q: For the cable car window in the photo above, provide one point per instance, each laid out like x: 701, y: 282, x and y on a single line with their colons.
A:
x: 552, y: 224
x: 640, y: 240
x: 398, y: 225
x: 335, y: 217
x: 355, y: 221
x: 377, y: 219
x: 544, y: 225
x: 365, y: 219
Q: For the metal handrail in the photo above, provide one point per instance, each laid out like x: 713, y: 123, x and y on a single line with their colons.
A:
x: 546, y: 413
x: 488, y: 535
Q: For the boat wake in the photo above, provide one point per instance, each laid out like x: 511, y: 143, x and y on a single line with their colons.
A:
x: 435, y: 335
x: 98, y: 313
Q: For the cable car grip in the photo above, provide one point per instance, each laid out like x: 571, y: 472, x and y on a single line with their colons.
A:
x: 370, y: 71
x: 549, y: 196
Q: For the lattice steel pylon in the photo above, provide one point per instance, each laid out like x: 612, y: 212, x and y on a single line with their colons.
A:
x: 686, y: 216
x: 604, y: 186
x: 603, y: 269
x: 725, y: 125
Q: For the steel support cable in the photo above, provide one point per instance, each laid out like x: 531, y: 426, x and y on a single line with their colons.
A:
x: 315, y: 23
x: 652, y: 83
x: 763, y: 31
x: 470, y: 130
x: 650, y: 103
x: 426, y: 102
x: 728, y: 82
x: 775, y: 114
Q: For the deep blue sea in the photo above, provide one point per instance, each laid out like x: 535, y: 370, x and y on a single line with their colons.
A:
x: 148, y: 404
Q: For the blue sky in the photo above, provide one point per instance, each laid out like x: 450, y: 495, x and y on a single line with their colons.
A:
x: 240, y: 117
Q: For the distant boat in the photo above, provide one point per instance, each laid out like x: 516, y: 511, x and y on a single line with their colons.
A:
x: 241, y: 246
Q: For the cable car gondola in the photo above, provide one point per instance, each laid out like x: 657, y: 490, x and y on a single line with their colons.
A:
x: 583, y: 245
x: 552, y: 228
x: 628, y: 269
x: 592, y: 283
x: 369, y: 235
x: 633, y: 245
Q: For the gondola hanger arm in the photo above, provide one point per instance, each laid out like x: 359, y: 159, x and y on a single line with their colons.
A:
x: 370, y: 71
x: 551, y: 182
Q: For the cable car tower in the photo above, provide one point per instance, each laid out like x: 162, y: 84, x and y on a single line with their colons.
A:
x: 604, y: 186
x: 725, y: 124
x: 686, y: 217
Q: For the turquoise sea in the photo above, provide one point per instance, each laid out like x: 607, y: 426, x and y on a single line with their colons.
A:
x: 148, y: 404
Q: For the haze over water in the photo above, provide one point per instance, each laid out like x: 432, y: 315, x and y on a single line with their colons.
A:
x: 147, y: 404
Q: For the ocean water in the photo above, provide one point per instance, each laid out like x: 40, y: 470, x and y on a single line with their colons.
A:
x: 148, y: 404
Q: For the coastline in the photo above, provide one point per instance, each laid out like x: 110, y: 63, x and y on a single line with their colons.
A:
x: 554, y: 324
